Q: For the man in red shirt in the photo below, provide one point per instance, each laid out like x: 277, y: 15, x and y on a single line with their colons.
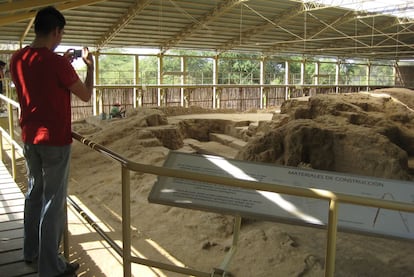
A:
x: 44, y: 83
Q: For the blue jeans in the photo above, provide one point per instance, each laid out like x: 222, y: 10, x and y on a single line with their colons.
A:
x: 44, y: 210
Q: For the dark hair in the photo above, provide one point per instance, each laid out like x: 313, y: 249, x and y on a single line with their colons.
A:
x: 47, y: 20
x: 2, y: 63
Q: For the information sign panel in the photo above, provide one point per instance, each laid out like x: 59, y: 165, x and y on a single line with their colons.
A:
x: 282, y: 207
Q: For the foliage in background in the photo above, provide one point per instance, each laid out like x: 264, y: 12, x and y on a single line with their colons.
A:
x: 116, y: 69
x: 234, y: 68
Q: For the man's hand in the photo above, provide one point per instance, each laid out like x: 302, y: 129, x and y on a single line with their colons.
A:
x: 69, y: 55
x: 87, y: 58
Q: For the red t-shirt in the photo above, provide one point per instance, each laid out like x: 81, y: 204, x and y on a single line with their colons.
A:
x: 42, y: 78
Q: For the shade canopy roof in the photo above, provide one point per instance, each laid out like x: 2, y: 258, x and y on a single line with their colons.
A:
x: 263, y: 27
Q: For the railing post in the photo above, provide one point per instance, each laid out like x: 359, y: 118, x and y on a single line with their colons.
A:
x: 97, y: 94
x: 369, y: 69
x: 337, y: 74
x: 265, y: 97
x: 137, y: 102
x: 126, y: 221
x: 218, y: 98
x: 11, y: 131
x: 1, y: 147
x: 262, y: 103
x: 187, y: 98
x: 331, y: 240
x: 66, y: 234
x: 287, y: 93
x: 215, y: 81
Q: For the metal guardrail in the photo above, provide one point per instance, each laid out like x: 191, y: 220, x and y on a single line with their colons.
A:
x: 333, y: 198
x: 127, y: 166
x: 9, y: 133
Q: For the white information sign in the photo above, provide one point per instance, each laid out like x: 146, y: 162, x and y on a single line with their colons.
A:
x: 282, y: 207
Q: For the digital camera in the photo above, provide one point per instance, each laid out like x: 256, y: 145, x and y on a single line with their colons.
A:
x: 77, y: 53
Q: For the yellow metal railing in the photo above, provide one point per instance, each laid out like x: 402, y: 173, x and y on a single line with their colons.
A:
x: 8, y: 131
x: 334, y: 200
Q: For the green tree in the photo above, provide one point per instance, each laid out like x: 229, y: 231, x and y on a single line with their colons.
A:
x: 197, y: 67
x: 237, y: 68
x: 382, y: 75
x: 274, y: 72
x: 148, y: 66
x: 327, y: 72
x: 116, y: 69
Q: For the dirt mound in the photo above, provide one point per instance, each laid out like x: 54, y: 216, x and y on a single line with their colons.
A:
x: 365, y: 134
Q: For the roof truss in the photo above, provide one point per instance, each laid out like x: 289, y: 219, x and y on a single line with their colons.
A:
x: 264, y: 27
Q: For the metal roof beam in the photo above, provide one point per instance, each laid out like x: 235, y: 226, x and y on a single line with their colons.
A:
x: 330, y: 26
x: 372, y: 48
x: 322, y: 50
x: 349, y: 16
x: 311, y: 6
x: 26, y: 31
x: 278, y: 46
x: 188, y: 30
x: 122, y: 22
x: 296, y: 41
x: 13, y: 6
x: 405, y: 20
x: 261, y: 28
x: 5, y: 20
x: 389, y: 36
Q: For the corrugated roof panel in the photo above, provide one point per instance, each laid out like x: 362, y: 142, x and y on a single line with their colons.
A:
x: 269, y: 27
